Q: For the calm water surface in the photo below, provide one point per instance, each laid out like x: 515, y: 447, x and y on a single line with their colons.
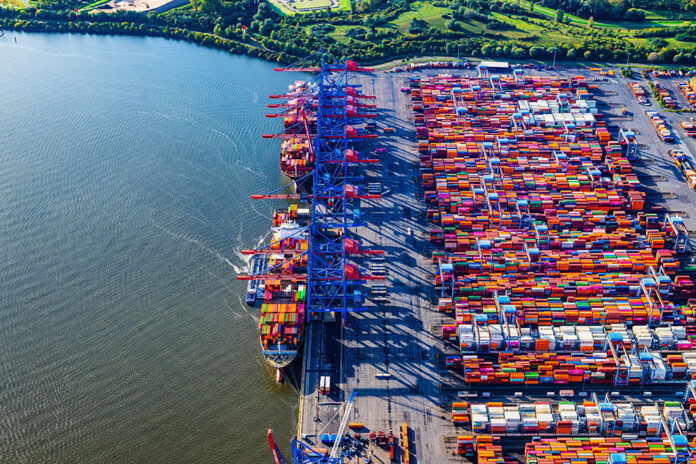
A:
x: 126, y: 166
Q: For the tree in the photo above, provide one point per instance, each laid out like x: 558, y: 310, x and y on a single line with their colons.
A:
x: 635, y: 15
x: 537, y: 52
x: 587, y: 55
x: 194, y: 5
x: 590, y: 22
x: 657, y: 43
x: 417, y: 26
x: 655, y: 57
x: 519, y: 52
x: 559, y: 15
x: 210, y: 7
x: 531, y: 5
x: 572, y: 53
x: 266, y: 27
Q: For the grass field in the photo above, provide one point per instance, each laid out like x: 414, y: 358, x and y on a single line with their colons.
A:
x: 661, y: 15
x: 12, y: 4
x: 314, y: 4
x: 340, y: 33
x: 93, y: 5
x: 424, y: 11
x: 653, y: 18
x: 308, y: 6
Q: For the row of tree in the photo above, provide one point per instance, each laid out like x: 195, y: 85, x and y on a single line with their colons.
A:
x: 229, y: 24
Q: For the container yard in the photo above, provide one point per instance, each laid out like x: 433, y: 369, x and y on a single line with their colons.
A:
x: 535, y: 301
x: 555, y: 272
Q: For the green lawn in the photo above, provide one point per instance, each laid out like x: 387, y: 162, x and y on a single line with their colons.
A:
x: 314, y: 4
x: 524, y: 28
x: 654, y: 18
x: 660, y: 15
x: 340, y: 34
x: 93, y: 5
x: 424, y: 11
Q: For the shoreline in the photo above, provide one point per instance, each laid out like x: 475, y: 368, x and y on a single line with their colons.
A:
x: 236, y: 47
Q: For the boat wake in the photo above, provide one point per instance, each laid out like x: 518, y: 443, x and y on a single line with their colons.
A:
x: 212, y: 251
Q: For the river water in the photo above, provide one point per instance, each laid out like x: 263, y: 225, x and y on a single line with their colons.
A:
x: 126, y: 166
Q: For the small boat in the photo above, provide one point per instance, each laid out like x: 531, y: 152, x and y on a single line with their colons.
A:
x: 256, y: 266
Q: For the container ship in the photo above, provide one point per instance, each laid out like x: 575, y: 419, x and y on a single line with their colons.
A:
x: 300, y: 126
x: 283, y: 273
x: 299, y: 122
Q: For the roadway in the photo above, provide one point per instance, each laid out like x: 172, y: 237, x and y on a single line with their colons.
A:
x: 395, y: 337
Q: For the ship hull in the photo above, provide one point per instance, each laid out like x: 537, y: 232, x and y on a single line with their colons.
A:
x: 278, y: 358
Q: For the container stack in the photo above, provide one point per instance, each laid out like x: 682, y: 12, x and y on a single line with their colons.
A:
x: 665, y: 95
x: 488, y: 450
x: 545, y: 248
x: 637, y: 89
x: 554, y: 271
x: 460, y: 412
x: 570, y: 418
x: 688, y: 92
x: 660, y: 126
x: 610, y: 450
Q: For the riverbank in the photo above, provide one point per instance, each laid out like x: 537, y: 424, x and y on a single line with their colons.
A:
x: 205, y: 39
x: 286, y: 39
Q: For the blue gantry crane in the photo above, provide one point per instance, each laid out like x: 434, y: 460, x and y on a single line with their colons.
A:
x: 331, y: 278
x: 333, y: 281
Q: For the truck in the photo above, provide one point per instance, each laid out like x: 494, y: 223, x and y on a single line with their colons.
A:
x: 325, y: 384
x: 685, y: 166
x: 392, y: 443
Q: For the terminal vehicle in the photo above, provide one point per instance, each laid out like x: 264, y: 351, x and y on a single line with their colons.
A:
x: 685, y: 166
x: 391, y: 445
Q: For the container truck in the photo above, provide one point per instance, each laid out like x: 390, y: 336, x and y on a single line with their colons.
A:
x: 685, y: 166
